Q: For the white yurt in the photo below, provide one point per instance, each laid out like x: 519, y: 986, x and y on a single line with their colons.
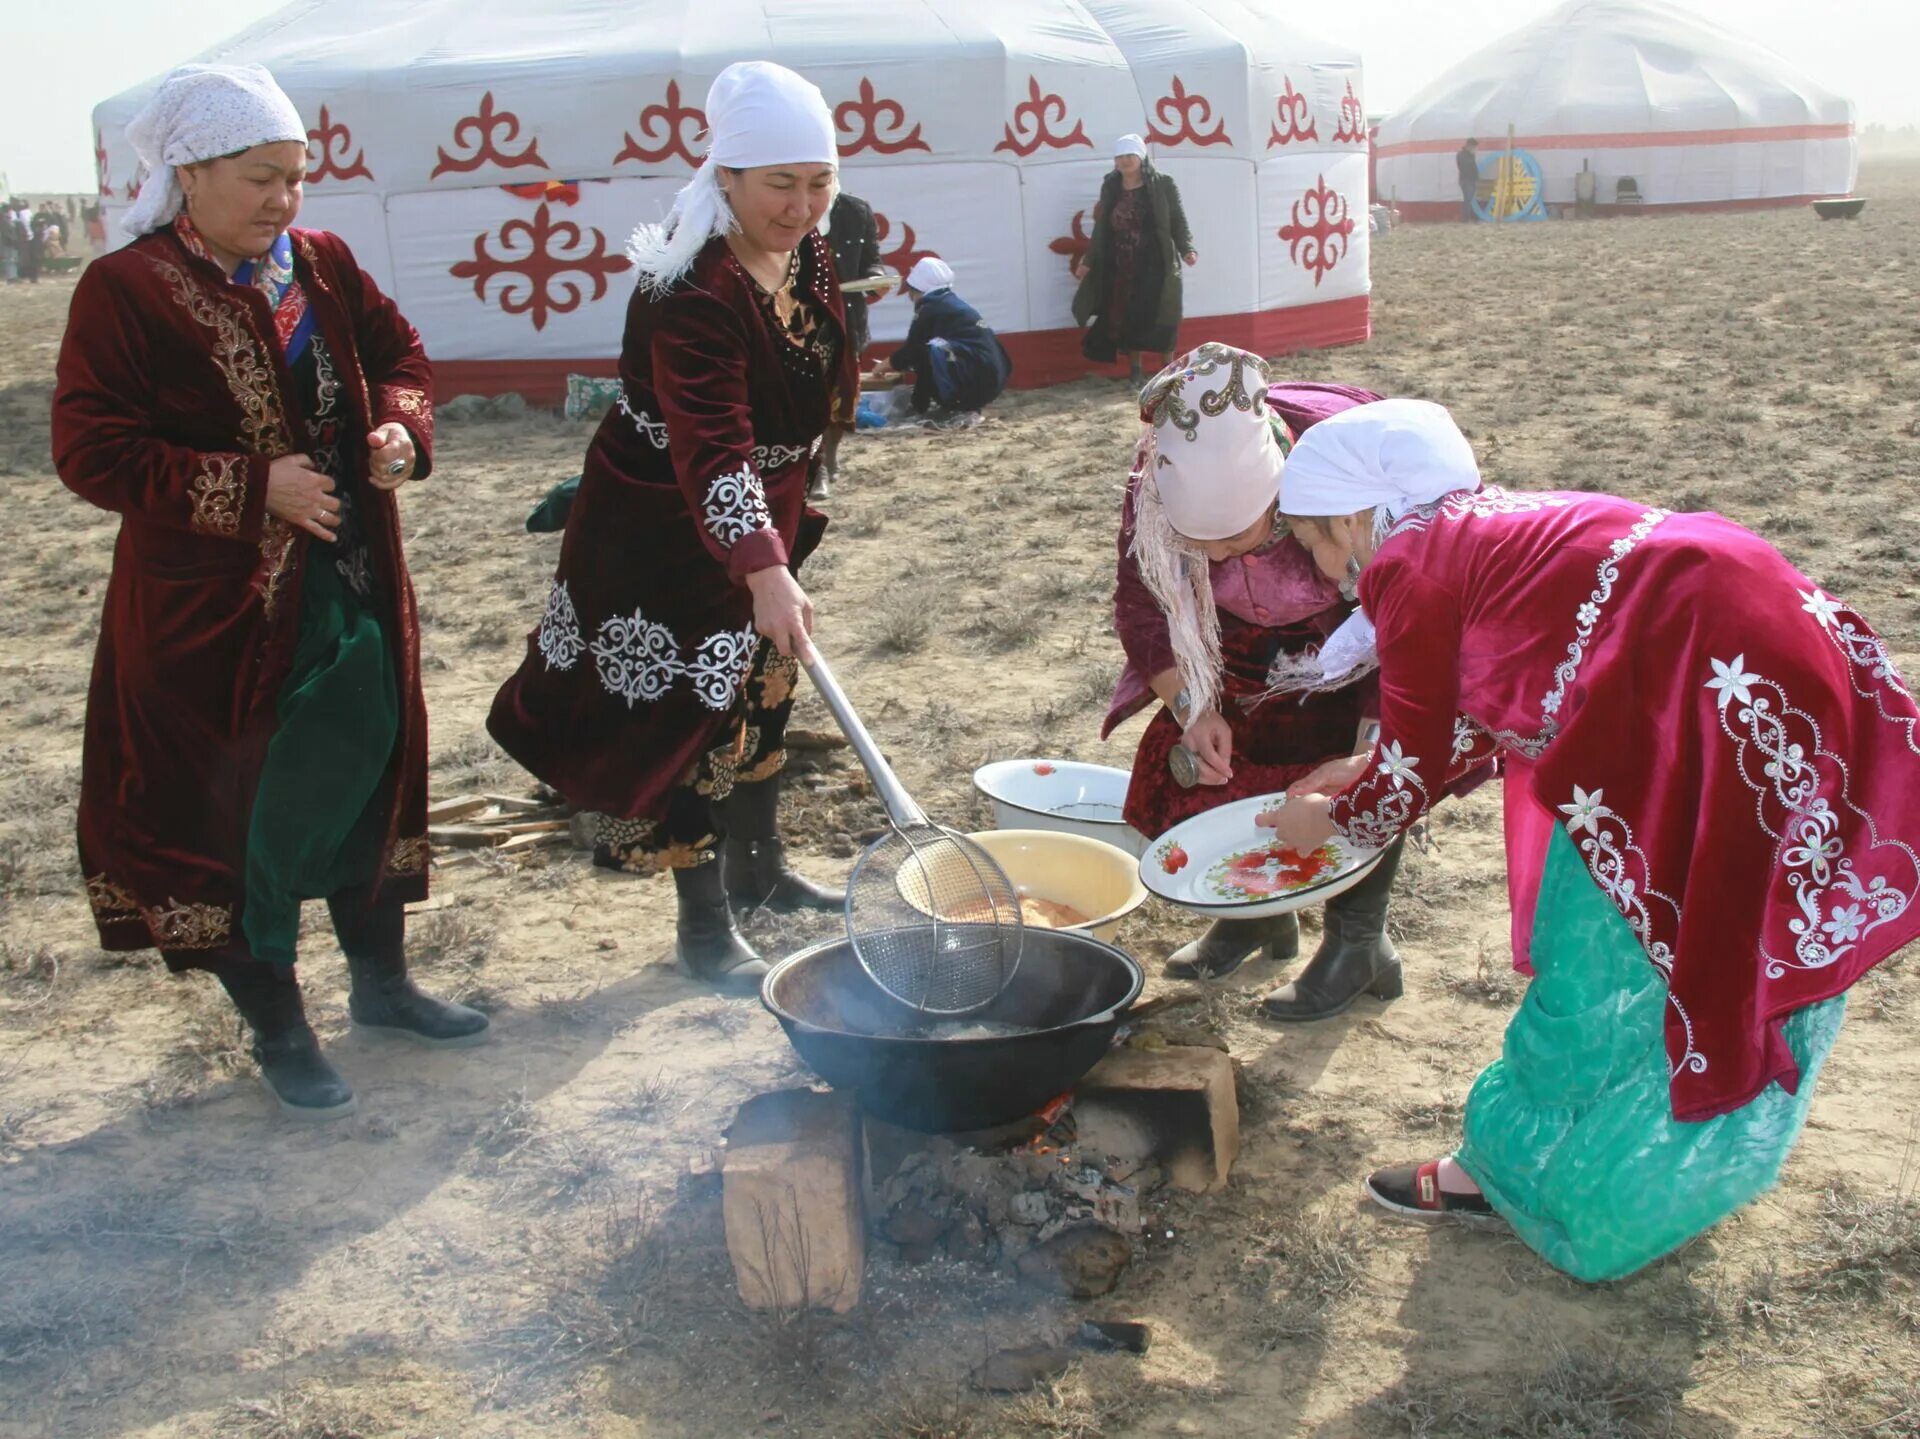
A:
x: 487, y: 159
x: 1694, y: 116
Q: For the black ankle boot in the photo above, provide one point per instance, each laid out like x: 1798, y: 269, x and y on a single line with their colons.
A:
x: 710, y: 948
x: 1230, y: 943
x: 298, y: 1076
x: 382, y: 996
x: 1355, y: 956
x: 756, y: 860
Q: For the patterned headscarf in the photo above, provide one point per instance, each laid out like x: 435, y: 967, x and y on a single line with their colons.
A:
x: 1206, y: 468
x: 199, y: 113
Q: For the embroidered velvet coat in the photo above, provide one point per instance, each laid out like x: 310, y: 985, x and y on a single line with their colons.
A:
x: 1270, y: 601
x: 1729, y: 747
x: 172, y: 400
x: 697, y: 478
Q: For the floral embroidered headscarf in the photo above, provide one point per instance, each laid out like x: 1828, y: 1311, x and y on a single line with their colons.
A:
x: 1207, y: 467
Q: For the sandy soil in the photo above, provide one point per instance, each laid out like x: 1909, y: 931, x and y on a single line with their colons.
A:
x: 516, y: 1240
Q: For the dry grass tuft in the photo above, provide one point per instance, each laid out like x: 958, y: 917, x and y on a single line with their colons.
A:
x: 463, y: 935
x: 301, y: 1411
x: 537, y: 1162
x: 903, y: 623
x: 1296, y: 1270
x: 1581, y: 1395
x: 1493, y: 981
x: 1864, y: 1249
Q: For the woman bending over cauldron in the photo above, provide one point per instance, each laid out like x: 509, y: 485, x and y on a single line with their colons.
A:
x: 1712, y: 813
x: 1213, y: 601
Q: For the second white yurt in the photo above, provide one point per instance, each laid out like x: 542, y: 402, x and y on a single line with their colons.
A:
x: 1663, y: 108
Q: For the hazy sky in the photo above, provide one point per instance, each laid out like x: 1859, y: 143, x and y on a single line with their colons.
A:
x: 62, y: 56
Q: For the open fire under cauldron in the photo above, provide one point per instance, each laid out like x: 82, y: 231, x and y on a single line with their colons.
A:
x: 1044, y: 1031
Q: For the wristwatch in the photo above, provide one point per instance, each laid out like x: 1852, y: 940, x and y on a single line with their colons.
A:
x: 1369, y: 736
x: 1182, y: 703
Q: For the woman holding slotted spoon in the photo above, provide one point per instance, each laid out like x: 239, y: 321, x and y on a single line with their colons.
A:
x: 657, y: 685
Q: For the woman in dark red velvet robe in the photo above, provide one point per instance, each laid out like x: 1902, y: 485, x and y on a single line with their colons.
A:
x: 1272, y: 604
x: 647, y: 693
x: 232, y: 388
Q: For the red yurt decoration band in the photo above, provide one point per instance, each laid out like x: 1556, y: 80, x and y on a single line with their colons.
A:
x: 422, y: 142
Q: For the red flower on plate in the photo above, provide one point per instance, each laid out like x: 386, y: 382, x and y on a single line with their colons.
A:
x: 1275, y: 869
x: 1174, y: 860
x: 1043, y: 769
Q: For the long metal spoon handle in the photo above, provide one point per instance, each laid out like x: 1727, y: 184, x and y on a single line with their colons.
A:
x: 900, y: 806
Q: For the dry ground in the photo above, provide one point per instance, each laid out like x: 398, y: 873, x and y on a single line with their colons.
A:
x: 509, y: 1241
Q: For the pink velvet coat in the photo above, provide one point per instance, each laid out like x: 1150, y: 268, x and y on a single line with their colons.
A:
x: 1729, y: 747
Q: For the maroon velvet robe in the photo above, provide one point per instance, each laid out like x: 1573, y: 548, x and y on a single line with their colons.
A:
x: 172, y: 400
x: 1270, y: 601
x: 696, y: 479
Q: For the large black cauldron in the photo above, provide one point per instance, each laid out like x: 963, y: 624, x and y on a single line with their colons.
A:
x: 1066, y: 1000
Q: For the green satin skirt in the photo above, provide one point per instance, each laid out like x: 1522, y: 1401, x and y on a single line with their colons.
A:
x: 318, y: 820
x: 1571, y: 1132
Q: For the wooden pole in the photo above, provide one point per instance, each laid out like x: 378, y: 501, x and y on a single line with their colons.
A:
x: 1504, y: 200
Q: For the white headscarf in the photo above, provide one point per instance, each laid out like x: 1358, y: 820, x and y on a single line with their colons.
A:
x: 1209, y: 463
x: 930, y: 273
x: 758, y: 113
x: 202, y: 112
x: 1394, y: 454
x: 1130, y: 145
x: 1391, y: 456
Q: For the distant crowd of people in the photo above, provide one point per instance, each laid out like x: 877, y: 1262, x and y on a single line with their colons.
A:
x: 32, y: 235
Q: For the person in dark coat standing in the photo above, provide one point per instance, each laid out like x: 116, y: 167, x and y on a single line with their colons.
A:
x: 855, y: 242
x: 1467, y: 160
x: 656, y: 689
x: 1130, y: 296
x: 957, y: 361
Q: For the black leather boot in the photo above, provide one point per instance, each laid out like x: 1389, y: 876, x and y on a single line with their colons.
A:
x: 1230, y: 943
x: 298, y: 1076
x: 382, y: 996
x: 709, y: 946
x: 1355, y: 956
x: 756, y: 860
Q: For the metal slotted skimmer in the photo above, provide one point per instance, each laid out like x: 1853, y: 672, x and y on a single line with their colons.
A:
x: 931, y: 918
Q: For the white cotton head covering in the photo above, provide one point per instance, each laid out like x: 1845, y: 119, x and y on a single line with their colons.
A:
x: 1130, y: 145
x: 758, y: 113
x: 930, y: 273
x: 202, y: 112
x: 1209, y: 463
x: 1391, y: 456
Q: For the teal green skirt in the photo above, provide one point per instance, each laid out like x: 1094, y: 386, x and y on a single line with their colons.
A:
x: 1571, y: 1132
x: 318, y: 820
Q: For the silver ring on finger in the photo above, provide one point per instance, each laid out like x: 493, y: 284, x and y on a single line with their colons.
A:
x: 397, y: 467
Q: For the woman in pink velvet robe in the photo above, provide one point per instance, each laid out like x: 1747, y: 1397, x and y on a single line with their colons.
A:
x: 1711, y: 764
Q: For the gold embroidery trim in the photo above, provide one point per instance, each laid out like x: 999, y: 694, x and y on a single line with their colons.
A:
x: 406, y: 400
x: 409, y: 856
x: 110, y: 900
x: 769, y: 766
x: 189, y: 926
x: 256, y: 390
x: 219, y: 494
x: 241, y: 359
